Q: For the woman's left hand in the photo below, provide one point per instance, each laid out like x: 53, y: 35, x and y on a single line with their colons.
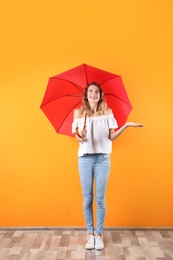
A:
x: 132, y: 124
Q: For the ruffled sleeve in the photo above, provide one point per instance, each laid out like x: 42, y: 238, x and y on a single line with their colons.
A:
x: 112, y: 122
x: 77, y: 122
x: 74, y: 125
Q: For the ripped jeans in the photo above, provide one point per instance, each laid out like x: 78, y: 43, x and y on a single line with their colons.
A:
x: 94, y: 166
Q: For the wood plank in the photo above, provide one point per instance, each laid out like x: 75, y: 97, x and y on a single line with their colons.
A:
x: 70, y: 244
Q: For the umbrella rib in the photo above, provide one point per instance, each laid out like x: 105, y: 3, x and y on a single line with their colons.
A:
x: 70, y: 95
x: 74, y: 84
x: 86, y: 74
x: 68, y: 115
x: 116, y: 76
x: 107, y: 94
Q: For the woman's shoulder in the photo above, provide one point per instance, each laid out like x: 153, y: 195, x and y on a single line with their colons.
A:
x: 108, y: 111
x: 78, y: 113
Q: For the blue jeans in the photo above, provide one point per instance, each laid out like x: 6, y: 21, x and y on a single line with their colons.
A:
x: 94, y: 166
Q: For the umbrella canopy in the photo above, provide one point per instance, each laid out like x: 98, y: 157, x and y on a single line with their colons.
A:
x: 64, y: 94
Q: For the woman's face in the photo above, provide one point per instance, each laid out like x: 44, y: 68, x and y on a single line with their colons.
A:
x: 93, y: 94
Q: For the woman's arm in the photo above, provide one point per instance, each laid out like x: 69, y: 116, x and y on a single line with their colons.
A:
x: 114, y: 134
x: 80, y: 134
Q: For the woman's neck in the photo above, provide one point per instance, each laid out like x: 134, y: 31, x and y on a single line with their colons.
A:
x: 93, y: 108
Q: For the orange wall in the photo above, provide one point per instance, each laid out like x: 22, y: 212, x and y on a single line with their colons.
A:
x: 39, y: 183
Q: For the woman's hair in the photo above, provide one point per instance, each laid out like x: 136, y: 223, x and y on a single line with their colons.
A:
x: 101, y: 103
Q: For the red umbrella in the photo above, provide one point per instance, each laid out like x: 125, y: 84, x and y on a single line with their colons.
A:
x: 64, y: 94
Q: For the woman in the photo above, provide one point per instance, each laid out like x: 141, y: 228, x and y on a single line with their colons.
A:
x: 95, y: 145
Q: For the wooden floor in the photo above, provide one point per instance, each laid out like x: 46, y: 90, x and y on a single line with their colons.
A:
x: 69, y: 244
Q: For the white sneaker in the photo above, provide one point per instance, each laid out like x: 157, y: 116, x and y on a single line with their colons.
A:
x: 90, y: 244
x: 99, y: 243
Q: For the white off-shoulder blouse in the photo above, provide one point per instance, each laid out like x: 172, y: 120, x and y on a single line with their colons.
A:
x: 97, y: 139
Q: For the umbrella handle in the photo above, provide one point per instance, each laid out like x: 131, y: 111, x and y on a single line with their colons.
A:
x: 85, y: 121
x: 78, y: 132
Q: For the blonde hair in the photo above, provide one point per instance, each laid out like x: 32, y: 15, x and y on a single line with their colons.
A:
x: 101, y: 103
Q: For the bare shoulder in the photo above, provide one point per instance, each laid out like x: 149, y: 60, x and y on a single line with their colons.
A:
x: 108, y: 111
x: 77, y: 113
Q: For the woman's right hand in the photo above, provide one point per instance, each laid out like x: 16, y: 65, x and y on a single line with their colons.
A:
x: 83, y: 133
